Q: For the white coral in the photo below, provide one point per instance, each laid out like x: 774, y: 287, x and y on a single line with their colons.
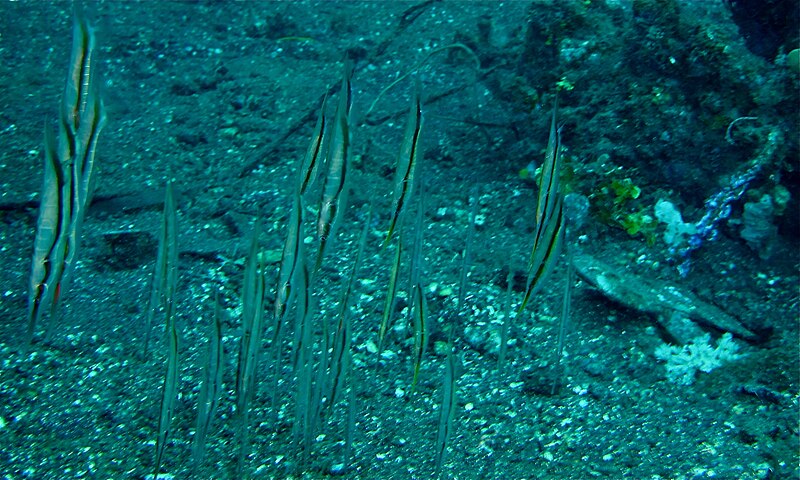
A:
x: 677, y: 230
x: 683, y: 362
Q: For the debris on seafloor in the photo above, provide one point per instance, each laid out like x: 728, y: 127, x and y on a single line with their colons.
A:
x: 662, y: 299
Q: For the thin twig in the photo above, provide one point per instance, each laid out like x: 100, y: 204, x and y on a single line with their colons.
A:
x: 728, y: 137
x: 416, y: 67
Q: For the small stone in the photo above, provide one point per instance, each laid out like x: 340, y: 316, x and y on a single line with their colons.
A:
x: 271, y: 257
x: 228, y: 132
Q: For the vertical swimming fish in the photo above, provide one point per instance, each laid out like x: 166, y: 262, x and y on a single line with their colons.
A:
x: 420, y: 330
x: 48, y: 249
x: 290, y: 259
x: 334, y: 191
x: 68, y: 178
x: 285, y: 293
x: 208, y: 398
x: 549, y: 233
x: 406, y: 164
x: 168, y: 397
x: 309, y: 169
x: 79, y: 84
x: 250, y: 343
x: 563, y: 323
x: 165, y: 278
x: 293, y: 246
x: 447, y: 410
x: 391, y: 294
x: 165, y: 269
x: 342, y: 337
x: 302, y: 316
x: 290, y: 283
x: 501, y: 354
x: 416, y: 292
x: 82, y: 118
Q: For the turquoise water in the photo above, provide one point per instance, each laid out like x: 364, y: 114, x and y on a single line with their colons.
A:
x: 659, y: 339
